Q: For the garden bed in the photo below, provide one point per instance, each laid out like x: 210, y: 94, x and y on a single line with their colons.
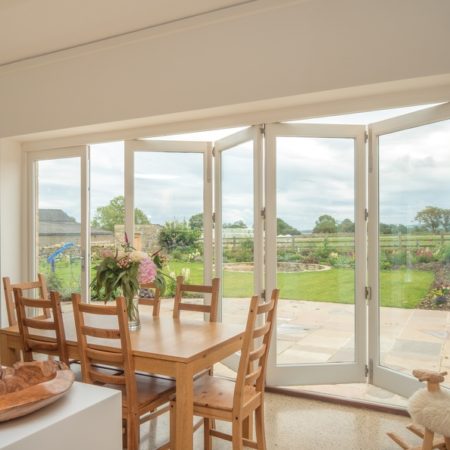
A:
x: 283, y: 267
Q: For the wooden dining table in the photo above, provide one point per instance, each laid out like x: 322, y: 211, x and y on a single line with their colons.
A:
x: 177, y: 348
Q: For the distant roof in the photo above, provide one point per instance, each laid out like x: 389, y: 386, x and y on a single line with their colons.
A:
x: 55, y: 222
x: 55, y: 216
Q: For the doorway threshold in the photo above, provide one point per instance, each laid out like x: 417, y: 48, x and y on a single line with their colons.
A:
x: 359, y: 395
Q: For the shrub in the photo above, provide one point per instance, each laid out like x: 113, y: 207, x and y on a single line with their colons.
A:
x: 178, y: 236
x: 424, y: 255
x: 243, y: 252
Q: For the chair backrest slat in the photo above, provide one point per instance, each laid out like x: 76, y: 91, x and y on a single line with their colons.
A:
x: 26, y: 286
x: 32, y: 342
x: 154, y: 301
x: 104, y: 378
x: 38, y: 324
x: 251, y: 378
x: 106, y: 357
x: 254, y: 352
x: 94, y: 353
x: 208, y: 308
x: 261, y: 331
x: 106, y: 333
x: 37, y: 345
x: 36, y: 303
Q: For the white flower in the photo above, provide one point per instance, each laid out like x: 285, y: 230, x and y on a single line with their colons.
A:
x: 137, y: 256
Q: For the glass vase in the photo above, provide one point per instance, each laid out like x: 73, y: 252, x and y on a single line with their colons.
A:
x: 134, y: 321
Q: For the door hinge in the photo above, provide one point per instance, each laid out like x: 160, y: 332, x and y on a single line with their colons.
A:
x: 262, y: 129
x: 263, y: 213
x: 263, y: 295
x: 214, y: 151
x: 368, y: 369
x: 214, y: 217
x: 366, y: 137
x: 368, y: 293
x: 366, y: 214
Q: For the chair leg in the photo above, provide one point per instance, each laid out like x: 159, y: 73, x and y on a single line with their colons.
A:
x: 260, y: 428
x: 247, y: 427
x: 133, y: 431
x: 428, y: 440
x: 207, y: 438
x: 172, y: 423
x: 236, y: 435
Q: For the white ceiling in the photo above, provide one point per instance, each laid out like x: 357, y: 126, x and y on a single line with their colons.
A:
x: 34, y: 27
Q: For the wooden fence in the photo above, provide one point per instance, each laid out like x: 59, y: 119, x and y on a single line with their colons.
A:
x: 345, y: 242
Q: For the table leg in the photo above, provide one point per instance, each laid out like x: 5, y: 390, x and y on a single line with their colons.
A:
x: 184, y: 413
x: 8, y: 355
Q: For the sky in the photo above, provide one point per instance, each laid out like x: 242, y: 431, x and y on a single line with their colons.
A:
x: 314, y: 176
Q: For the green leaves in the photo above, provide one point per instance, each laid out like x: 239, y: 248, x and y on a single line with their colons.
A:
x: 112, y: 280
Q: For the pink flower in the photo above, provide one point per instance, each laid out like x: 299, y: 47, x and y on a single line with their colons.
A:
x: 147, y: 271
x: 106, y: 253
x: 124, y: 262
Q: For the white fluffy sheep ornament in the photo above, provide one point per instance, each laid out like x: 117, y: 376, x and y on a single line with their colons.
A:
x: 430, y: 409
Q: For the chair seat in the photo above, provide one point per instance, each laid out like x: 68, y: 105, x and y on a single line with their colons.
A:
x: 217, y: 393
x: 150, y: 389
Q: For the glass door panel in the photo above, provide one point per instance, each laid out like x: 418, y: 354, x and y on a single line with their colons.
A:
x: 107, y: 201
x: 237, y: 232
x: 238, y: 225
x: 59, y: 225
x: 172, y: 201
x: 318, y: 249
x: 411, y: 271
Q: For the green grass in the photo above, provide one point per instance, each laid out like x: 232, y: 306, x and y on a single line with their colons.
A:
x: 399, y: 288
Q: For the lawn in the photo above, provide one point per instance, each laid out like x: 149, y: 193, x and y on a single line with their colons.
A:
x: 399, y: 288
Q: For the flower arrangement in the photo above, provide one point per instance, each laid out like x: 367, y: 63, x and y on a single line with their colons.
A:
x: 121, y: 272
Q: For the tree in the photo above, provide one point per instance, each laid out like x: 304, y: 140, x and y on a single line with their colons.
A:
x: 114, y: 214
x: 325, y: 224
x: 196, y: 221
x: 445, y: 219
x: 430, y: 217
x: 237, y: 224
x: 393, y: 229
x: 285, y: 228
x: 346, y: 226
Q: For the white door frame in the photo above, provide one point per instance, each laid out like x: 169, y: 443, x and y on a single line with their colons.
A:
x: 161, y: 146
x: 384, y: 377
x: 331, y: 372
x: 33, y: 157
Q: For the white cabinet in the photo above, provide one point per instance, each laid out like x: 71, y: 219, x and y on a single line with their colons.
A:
x: 88, y: 417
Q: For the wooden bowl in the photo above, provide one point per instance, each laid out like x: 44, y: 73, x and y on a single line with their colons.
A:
x: 38, y: 394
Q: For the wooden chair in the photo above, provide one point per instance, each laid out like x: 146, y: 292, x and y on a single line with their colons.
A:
x: 236, y: 401
x: 9, y: 295
x: 53, y: 325
x: 154, y: 301
x: 210, y: 308
x: 141, y: 395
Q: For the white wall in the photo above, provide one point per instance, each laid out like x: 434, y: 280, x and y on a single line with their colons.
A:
x: 286, y: 48
x: 11, y: 183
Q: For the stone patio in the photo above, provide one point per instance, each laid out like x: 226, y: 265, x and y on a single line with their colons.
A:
x: 318, y: 332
